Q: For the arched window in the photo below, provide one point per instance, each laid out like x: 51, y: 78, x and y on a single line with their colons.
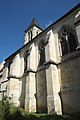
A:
x: 41, y: 48
x: 68, y: 39
x: 29, y: 36
x: 26, y: 59
x: 9, y: 65
x: 26, y: 55
x: 37, y: 32
x: 25, y: 63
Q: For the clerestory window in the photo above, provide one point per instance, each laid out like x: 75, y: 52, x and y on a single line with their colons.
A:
x: 67, y: 39
x: 25, y: 64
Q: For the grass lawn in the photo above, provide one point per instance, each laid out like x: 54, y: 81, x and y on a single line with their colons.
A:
x: 10, y: 112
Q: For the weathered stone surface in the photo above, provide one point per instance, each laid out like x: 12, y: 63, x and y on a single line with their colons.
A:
x: 41, y: 94
x: 70, y: 85
x: 39, y: 77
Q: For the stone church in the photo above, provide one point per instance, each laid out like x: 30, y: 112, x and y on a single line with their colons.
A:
x: 43, y: 76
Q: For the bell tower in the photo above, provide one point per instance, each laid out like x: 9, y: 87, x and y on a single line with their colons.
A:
x: 32, y: 31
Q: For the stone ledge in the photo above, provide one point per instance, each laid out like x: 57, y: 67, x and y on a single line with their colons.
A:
x: 13, y: 76
x: 47, y: 63
x: 28, y: 71
x: 4, y: 81
x: 70, y: 56
x: 50, y: 62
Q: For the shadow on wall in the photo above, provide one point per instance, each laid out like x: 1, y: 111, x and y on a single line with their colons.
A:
x: 22, y: 96
x: 41, y: 91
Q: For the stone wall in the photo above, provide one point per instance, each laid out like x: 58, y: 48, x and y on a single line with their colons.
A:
x: 22, y: 91
x: 30, y: 90
x: 69, y: 70
x: 1, y: 73
x: 49, y: 86
x: 41, y: 91
x: 13, y: 80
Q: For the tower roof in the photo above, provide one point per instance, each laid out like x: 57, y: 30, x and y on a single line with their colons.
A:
x: 34, y: 23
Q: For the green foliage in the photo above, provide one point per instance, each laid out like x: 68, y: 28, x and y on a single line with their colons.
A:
x: 4, y: 108
x: 1, y: 113
x: 9, y: 112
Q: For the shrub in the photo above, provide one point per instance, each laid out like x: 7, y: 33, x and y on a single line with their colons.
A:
x: 9, y: 112
x: 4, y: 108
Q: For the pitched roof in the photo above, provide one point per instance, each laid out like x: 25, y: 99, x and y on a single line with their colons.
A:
x: 34, y: 22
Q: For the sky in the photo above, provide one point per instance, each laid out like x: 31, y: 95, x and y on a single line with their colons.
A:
x: 16, y: 16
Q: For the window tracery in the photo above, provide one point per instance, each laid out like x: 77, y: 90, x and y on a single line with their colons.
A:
x: 67, y: 39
